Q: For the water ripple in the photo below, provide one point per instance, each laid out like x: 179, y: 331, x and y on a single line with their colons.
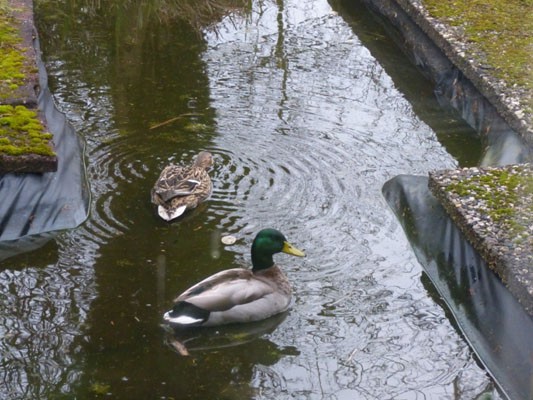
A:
x: 306, y: 128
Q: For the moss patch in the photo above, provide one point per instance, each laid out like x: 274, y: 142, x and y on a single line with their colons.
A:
x: 21, y: 132
x: 504, y: 196
x: 25, y: 145
x: 14, y: 68
x: 493, y: 207
x: 502, y: 29
x: 100, y: 389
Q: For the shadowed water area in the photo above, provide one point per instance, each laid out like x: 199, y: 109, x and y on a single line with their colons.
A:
x: 308, y: 113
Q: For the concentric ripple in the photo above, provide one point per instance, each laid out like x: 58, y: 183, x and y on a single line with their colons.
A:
x: 306, y: 126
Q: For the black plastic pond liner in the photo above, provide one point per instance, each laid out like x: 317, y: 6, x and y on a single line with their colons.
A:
x: 453, y: 89
x: 502, y: 145
x: 493, y: 322
x: 34, y: 204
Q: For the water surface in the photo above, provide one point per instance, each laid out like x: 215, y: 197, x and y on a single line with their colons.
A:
x: 308, y: 113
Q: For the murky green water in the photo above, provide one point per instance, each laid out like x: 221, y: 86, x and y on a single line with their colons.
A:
x: 308, y: 112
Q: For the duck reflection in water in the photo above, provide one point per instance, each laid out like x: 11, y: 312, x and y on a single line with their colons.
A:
x: 239, y: 295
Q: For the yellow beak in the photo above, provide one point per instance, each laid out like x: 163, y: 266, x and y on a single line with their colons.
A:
x: 290, y: 249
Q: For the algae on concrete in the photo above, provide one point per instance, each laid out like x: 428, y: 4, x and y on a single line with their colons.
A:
x: 501, y: 29
x: 493, y: 207
x: 504, y: 195
x: 14, y: 68
x: 21, y: 132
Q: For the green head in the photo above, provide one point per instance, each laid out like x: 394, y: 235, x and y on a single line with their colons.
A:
x: 267, y: 243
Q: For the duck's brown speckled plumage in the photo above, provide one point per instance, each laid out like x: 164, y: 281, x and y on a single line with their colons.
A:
x: 182, y: 188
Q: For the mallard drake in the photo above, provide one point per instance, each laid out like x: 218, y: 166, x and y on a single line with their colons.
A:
x: 181, y: 188
x: 239, y: 295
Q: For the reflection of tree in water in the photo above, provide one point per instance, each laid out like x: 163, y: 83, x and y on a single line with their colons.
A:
x: 483, y: 310
x: 42, y: 311
x: 47, y: 295
x: 132, y: 36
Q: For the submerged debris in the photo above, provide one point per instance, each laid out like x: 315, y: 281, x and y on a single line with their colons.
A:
x: 228, y: 240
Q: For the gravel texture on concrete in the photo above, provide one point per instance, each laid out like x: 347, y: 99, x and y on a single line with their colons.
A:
x: 513, y: 103
x: 493, y: 207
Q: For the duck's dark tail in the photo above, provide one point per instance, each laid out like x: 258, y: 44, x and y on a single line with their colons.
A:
x: 186, y: 314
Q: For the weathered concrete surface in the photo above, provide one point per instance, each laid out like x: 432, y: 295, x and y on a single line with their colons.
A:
x: 495, y: 110
x: 25, y: 94
x: 29, y: 163
x: 493, y: 207
x: 509, y: 101
x: 489, y: 106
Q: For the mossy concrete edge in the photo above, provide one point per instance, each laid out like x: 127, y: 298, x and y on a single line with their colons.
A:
x: 501, y: 232
x: 509, y: 100
x: 477, y: 98
x: 26, y: 95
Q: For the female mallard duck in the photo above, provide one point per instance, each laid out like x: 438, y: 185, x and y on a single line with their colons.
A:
x: 238, y: 294
x: 182, y: 188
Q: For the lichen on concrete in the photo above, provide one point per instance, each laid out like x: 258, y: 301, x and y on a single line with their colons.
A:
x: 494, y: 209
x: 11, y: 62
x: 491, y: 43
x: 18, y: 72
x: 25, y: 144
x: 21, y: 132
x: 502, y: 30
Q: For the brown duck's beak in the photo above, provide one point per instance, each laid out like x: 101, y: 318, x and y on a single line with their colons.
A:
x: 290, y: 249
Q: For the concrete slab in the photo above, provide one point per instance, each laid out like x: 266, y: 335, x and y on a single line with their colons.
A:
x: 493, y: 207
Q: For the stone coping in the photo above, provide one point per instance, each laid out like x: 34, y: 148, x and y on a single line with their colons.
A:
x: 493, y: 207
x: 510, y: 101
x: 23, y: 149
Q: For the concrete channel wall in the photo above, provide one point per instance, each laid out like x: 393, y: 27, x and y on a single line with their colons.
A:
x: 472, y: 228
x: 490, y: 108
x: 35, y: 206
x: 425, y: 37
x: 487, y: 105
x: 26, y: 143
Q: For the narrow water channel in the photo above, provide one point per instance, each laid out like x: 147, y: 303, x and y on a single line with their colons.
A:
x: 309, y: 110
